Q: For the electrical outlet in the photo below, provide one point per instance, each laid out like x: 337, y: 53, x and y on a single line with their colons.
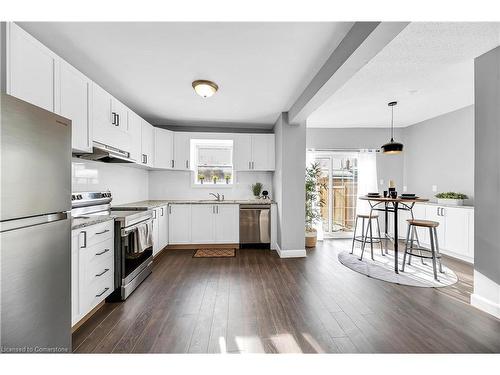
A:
x: 434, y: 188
x: 381, y: 181
x: 405, y: 188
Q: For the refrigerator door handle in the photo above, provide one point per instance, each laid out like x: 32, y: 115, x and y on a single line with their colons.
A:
x: 9, y: 225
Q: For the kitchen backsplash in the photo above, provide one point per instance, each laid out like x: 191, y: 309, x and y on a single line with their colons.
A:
x: 128, y: 184
x: 179, y: 185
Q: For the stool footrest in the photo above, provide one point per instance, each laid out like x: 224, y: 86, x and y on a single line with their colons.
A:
x: 411, y: 251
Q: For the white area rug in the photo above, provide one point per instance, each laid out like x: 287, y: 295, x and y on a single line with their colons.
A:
x: 383, y: 269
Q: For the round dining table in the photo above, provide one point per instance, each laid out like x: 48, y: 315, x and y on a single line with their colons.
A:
x: 392, y: 205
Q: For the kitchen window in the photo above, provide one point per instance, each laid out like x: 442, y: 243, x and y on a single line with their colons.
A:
x: 213, y: 161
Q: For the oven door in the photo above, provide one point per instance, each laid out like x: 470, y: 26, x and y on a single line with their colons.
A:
x: 134, y: 267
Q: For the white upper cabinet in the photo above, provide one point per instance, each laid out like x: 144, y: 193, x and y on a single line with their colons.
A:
x: 148, y: 145
x: 31, y: 69
x: 182, y: 149
x: 135, y: 136
x: 263, y: 152
x: 164, y: 148
x: 109, y: 120
x: 254, y: 152
x: 74, y: 103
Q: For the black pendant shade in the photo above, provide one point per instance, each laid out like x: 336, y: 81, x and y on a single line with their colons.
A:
x: 392, y: 147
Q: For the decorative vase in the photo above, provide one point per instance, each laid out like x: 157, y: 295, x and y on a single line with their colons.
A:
x: 311, y: 238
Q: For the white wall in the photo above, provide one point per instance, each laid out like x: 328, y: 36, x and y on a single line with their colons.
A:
x: 128, y: 184
x: 178, y: 185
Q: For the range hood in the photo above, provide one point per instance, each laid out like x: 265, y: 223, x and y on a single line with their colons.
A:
x: 106, y: 154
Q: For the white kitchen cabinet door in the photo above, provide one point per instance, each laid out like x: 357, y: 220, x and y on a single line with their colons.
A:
x: 202, y: 223
x: 403, y: 216
x: 156, y: 231
x: 263, y: 152
x: 227, y: 223
x: 164, y: 148
x: 135, y: 136
x: 179, y: 224
x: 31, y: 69
x: 182, y: 150
x: 75, y: 91
x: 148, y: 144
x: 120, y: 111
x: 457, y: 230
x: 434, y: 213
x: 242, y: 152
x: 102, y: 127
x: 162, y: 227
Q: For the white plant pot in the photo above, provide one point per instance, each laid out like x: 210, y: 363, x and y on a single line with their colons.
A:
x: 451, y: 202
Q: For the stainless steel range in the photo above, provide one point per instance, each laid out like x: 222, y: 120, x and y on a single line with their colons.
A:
x: 133, y: 262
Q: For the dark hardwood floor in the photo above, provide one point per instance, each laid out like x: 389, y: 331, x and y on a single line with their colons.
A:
x: 257, y: 302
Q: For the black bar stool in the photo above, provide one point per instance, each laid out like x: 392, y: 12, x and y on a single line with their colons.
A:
x: 364, y: 238
x: 434, y: 250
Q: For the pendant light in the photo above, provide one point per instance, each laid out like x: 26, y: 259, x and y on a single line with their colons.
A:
x: 205, y: 88
x: 392, y: 147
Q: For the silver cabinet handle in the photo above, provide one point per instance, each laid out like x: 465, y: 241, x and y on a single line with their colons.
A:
x: 102, y: 273
x: 172, y: 163
x: 213, y: 209
x: 217, y: 209
x: 169, y: 209
x: 104, y: 231
x: 154, y: 214
x: 442, y: 211
x: 249, y: 165
x: 113, y: 122
x: 104, y: 291
x: 162, y: 211
x: 84, y: 239
x: 253, y: 165
x: 102, y: 252
x: 187, y: 164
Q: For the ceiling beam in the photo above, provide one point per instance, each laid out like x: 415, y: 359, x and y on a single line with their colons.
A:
x: 363, y: 41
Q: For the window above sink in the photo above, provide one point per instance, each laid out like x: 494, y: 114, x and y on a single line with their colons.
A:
x: 213, y: 162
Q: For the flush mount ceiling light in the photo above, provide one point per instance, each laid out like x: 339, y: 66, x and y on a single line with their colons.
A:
x: 392, y: 147
x: 205, y: 88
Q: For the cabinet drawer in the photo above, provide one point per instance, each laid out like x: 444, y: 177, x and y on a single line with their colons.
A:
x: 96, y: 292
x: 98, y: 269
x: 100, y: 251
x: 96, y: 233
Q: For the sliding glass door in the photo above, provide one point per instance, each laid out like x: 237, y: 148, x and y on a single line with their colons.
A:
x: 340, y: 178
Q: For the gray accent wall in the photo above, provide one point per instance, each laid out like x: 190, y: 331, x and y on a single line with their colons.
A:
x: 440, y: 151
x: 487, y: 166
x: 288, y: 183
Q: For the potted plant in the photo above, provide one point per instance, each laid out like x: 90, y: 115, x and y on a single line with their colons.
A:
x: 257, y: 189
x: 227, y: 177
x: 450, y: 197
x: 314, y: 202
x: 201, y: 178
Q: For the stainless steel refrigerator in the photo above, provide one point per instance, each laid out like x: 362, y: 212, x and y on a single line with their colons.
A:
x: 35, y: 229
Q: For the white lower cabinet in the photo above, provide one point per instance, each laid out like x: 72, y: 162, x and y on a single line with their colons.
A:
x: 227, y: 223
x: 92, y: 267
x: 160, y: 229
x: 179, y: 224
x: 203, y: 223
x: 455, y: 231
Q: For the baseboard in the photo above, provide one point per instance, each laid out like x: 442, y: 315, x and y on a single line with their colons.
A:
x: 485, y: 305
x: 203, y: 246
x: 87, y: 317
x: 300, y: 253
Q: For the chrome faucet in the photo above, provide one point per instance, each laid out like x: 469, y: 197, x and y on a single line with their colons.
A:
x: 217, y: 196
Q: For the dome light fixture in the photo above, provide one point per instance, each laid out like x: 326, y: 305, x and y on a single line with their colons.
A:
x: 205, y: 88
x: 392, y: 147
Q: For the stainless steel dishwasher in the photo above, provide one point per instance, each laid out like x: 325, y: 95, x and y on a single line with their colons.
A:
x: 255, y: 224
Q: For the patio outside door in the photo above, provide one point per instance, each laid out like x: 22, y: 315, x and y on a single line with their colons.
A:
x: 340, y: 175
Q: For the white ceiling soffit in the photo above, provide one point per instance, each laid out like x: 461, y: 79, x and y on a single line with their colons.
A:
x: 261, y: 68
x: 428, y: 68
